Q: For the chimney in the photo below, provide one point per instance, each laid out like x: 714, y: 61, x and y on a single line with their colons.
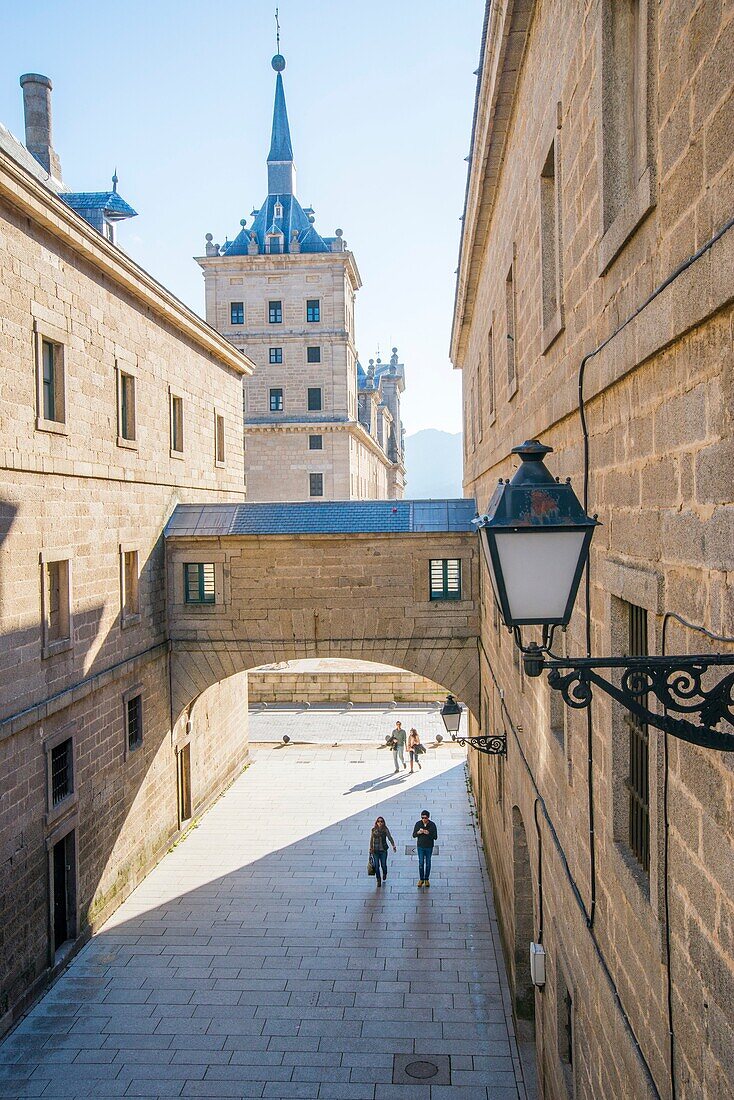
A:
x: 37, y: 110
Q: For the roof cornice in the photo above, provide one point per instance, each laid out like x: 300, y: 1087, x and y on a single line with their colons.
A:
x: 281, y: 259
x: 36, y: 201
x: 504, y: 38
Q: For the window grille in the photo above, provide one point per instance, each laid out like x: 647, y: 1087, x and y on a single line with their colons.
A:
x: 445, y: 577
x: 638, y: 780
x: 313, y: 309
x: 313, y: 355
x: 134, y: 718
x: 275, y: 313
x: 237, y: 313
x: 62, y: 772
x: 275, y: 355
x: 199, y: 585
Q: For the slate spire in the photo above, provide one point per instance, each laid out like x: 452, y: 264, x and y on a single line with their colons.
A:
x: 281, y: 169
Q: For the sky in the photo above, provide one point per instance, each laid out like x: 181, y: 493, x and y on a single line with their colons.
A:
x: 178, y: 96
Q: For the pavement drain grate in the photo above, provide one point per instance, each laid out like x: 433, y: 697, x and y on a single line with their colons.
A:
x: 434, y: 1069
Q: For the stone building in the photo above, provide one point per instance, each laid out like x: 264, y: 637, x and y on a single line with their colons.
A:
x: 317, y: 424
x: 598, y: 220
x: 117, y: 404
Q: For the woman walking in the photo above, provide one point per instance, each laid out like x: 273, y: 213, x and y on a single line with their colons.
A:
x: 415, y: 748
x: 379, y: 838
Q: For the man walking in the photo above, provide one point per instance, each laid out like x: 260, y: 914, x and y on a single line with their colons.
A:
x: 425, y: 833
x: 397, y: 742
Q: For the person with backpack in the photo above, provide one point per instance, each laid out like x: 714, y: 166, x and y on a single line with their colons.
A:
x: 425, y: 834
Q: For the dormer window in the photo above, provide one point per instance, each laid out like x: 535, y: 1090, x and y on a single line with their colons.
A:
x: 274, y: 242
x: 278, y: 211
x: 109, y: 231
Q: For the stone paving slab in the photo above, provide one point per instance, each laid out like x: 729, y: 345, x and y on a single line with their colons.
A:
x: 259, y: 959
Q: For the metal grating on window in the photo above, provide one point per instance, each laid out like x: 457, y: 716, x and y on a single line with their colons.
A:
x: 134, y: 722
x: 638, y: 781
x: 62, y: 772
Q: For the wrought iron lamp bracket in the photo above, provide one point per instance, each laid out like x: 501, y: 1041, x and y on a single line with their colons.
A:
x: 675, y: 682
x: 491, y: 744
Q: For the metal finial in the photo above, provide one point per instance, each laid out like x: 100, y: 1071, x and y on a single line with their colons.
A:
x: 114, y: 180
x: 277, y: 32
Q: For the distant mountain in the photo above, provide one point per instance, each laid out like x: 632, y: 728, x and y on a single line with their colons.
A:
x: 434, y: 464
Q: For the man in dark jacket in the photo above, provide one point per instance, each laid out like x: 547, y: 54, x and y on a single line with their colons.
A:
x: 426, y: 834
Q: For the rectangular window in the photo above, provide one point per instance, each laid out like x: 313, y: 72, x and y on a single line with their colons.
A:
x: 480, y: 402
x: 126, y: 406
x: 490, y: 374
x: 219, y: 450
x: 177, y: 427
x: 237, y: 313
x: 276, y: 400
x: 52, y: 382
x: 510, y: 310
x: 445, y: 578
x: 550, y: 245
x: 56, y: 601
x: 134, y: 721
x: 316, y: 485
x: 130, y: 584
x: 638, y: 778
x: 313, y: 355
x: 275, y: 355
x: 314, y: 398
x: 565, y: 1031
x: 199, y: 585
x: 315, y: 443
x: 313, y: 309
x: 62, y: 772
x: 275, y: 313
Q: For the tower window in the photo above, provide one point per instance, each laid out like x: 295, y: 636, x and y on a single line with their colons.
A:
x: 237, y: 313
x: 315, y: 443
x: 275, y: 355
x: 275, y: 313
x: 276, y: 400
x: 313, y: 309
x: 278, y: 210
x: 313, y: 355
x: 316, y: 485
x: 314, y: 398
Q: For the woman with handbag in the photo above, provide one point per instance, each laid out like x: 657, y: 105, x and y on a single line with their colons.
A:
x: 379, y: 838
x: 415, y: 748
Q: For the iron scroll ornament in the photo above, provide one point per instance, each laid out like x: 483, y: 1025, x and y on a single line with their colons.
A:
x: 492, y: 744
x: 675, y: 682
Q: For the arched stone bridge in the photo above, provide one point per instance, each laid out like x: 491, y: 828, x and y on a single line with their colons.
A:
x: 323, y: 579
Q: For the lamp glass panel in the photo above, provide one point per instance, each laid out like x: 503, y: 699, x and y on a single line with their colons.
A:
x: 538, y: 568
x: 490, y: 565
x: 452, y: 720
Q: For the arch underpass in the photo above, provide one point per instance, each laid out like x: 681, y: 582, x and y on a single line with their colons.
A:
x: 347, y: 579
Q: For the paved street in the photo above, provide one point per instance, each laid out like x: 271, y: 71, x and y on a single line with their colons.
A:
x: 259, y: 960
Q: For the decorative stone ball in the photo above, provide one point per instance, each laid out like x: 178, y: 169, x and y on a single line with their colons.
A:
x: 278, y: 62
x: 209, y: 237
x: 243, y: 222
x: 439, y: 738
x: 339, y: 232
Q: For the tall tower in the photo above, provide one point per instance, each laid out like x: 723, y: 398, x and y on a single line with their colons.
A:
x: 285, y: 294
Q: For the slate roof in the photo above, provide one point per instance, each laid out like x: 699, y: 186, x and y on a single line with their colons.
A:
x: 323, y: 518
x: 109, y: 202
x: 294, y: 217
x: 280, y: 141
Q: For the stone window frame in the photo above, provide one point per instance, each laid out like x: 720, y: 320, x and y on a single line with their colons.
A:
x: 59, y: 337
x: 127, y: 696
x: 615, y: 232
x: 275, y: 357
x: 129, y: 618
x: 422, y: 583
x: 315, y: 390
x: 196, y: 556
x: 124, y: 368
x: 70, y: 803
x: 275, y: 311
x: 312, y: 474
x: 626, y: 583
x: 220, y: 438
x: 443, y: 592
x: 551, y: 203
x: 50, y: 647
x: 173, y: 398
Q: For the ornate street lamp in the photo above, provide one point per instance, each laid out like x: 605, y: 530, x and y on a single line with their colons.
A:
x: 491, y: 744
x: 536, y: 539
